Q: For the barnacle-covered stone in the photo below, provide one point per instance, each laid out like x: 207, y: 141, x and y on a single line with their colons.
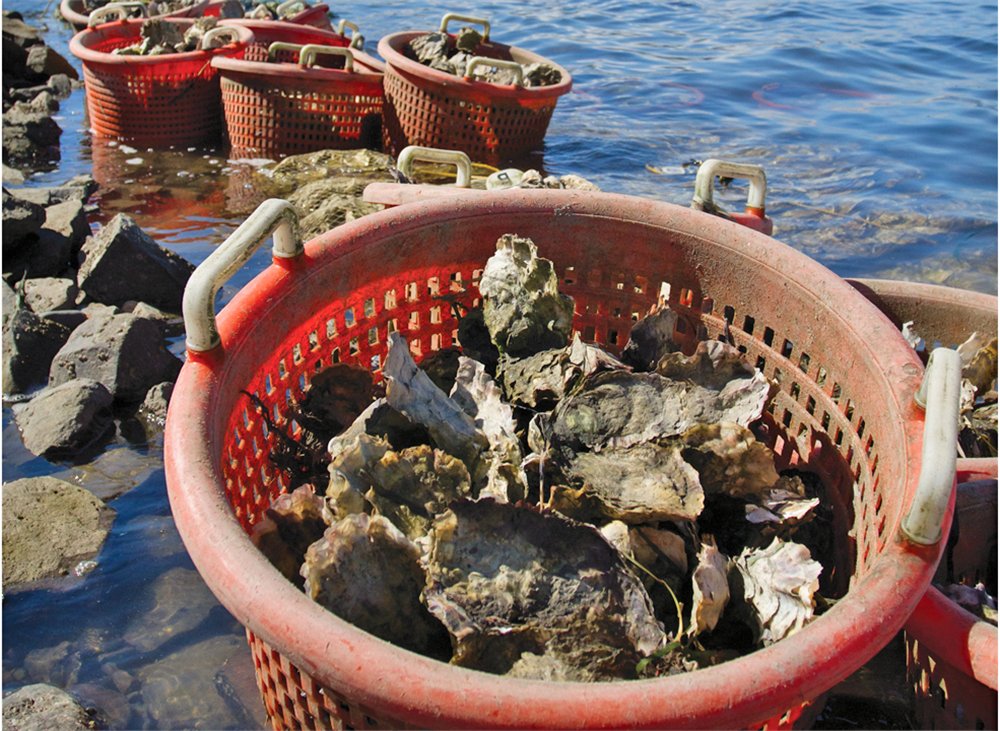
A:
x: 367, y: 572
x: 534, y: 594
x: 294, y: 521
x: 522, y: 307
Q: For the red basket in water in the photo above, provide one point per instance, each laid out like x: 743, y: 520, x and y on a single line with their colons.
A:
x: 845, y: 411
x: 951, y: 655
x: 155, y: 101
x: 274, y: 105
x: 76, y: 14
x: 491, y: 123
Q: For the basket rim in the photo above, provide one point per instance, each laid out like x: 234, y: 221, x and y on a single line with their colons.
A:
x: 73, y: 11
x: 81, y: 44
x: 406, y: 685
x: 371, y: 70
x: 389, y: 48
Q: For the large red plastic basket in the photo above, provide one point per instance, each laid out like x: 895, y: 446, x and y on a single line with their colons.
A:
x: 491, y: 123
x: 281, y: 108
x: 76, y: 14
x: 951, y: 655
x: 155, y: 101
x: 844, y: 410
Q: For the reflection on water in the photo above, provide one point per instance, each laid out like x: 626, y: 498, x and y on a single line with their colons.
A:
x: 875, y: 122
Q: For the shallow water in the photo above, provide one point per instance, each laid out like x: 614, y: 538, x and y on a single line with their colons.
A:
x: 876, y: 123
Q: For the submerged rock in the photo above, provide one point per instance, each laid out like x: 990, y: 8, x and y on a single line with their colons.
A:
x: 48, y: 527
x: 180, y: 602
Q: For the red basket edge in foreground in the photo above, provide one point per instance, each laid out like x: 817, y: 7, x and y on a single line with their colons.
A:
x: 387, y: 682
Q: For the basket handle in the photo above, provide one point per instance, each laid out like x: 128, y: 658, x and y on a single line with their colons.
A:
x: 357, y: 40
x: 120, y: 11
x: 499, y: 63
x: 711, y: 169
x: 273, y: 216
x: 940, y: 395
x: 215, y: 33
x: 463, y: 176
x: 309, y: 52
x: 273, y: 49
x: 448, y: 17
x: 282, y: 8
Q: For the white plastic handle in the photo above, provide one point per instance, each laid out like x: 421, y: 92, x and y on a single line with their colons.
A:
x: 711, y: 169
x: 448, y: 17
x: 309, y: 52
x: 498, y: 63
x: 120, y: 11
x: 940, y: 395
x: 273, y: 49
x: 273, y: 216
x: 283, y: 8
x: 215, y: 33
x: 463, y: 177
x: 357, y: 40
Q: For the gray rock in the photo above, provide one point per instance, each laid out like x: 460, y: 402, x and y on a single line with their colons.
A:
x: 12, y: 176
x: 48, y: 527
x: 30, y: 137
x: 68, y: 218
x: 22, y: 220
x: 60, y: 85
x: 21, y: 33
x: 170, y: 323
x: 67, y: 318
x: 49, y: 256
x: 153, y: 411
x: 50, y: 293
x: 44, y: 707
x: 96, y: 309
x: 122, y: 263
x: 29, y: 345
x: 43, y: 62
x: 64, y: 420
x: 57, y: 665
x: 75, y: 189
x: 124, y: 352
x: 9, y: 302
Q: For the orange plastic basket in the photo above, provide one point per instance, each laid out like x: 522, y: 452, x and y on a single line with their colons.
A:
x: 274, y: 107
x: 155, y: 101
x: 951, y: 655
x: 845, y: 411
x: 491, y: 123
x: 75, y: 13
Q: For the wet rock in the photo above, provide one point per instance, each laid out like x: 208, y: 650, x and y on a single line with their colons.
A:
x: 109, y: 708
x: 61, y: 85
x: 180, y: 690
x: 43, y: 708
x: 170, y: 323
x: 30, y: 343
x: 522, y: 306
x: 58, y: 665
x: 43, y: 62
x: 153, y: 410
x: 50, y: 293
x: 30, y: 138
x: 49, y: 256
x: 122, y: 263
x: 68, y: 218
x: 22, y: 220
x: 124, y: 352
x: 114, y: 472
x: 62, y: 421
x: 48, y: 527
x: 367, y: 572
x: 181, y: 602
x: 533, y: 594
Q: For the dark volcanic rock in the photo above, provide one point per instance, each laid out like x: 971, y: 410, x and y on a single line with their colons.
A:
x: 124, y: 352
x: 22, y: 220
x: 29, y: 345
x: 122, y: 263
x: 64, y: 420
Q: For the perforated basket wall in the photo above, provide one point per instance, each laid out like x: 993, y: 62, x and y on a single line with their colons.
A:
x: 951, y: 655
x: 842, y: 411
x: 490, y: 123
x: 157, y: 101
x: 275, y: 109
